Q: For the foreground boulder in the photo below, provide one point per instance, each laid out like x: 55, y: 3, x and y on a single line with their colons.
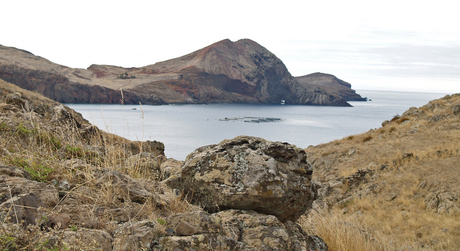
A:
x: 250, y: 173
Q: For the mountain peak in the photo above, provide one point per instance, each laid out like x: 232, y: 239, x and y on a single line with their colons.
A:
x: 242, y: 71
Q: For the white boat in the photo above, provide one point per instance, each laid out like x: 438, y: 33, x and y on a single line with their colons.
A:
x: 283, y: 102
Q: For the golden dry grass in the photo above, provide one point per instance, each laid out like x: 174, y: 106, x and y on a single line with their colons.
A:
x: 41, y: 145
x: 420, y: 147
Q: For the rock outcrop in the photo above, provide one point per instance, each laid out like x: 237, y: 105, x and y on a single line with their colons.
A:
x: 249, y: 173
x: 226, y: 71
x: 66, y: 185
x: 234, y: 230
x: 93, y: 192
x: 330, y: 84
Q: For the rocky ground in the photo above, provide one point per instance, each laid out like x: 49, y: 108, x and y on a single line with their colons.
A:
x: 66, y: 185
x: 400, y: 180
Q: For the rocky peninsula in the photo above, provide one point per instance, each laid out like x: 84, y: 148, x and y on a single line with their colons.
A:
x: 224, y: 72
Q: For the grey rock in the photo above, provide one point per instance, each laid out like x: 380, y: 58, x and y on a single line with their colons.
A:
x: 185, y: 229
x: 315, y: 243
x: 252, y: 174
x: 135, y: 236
x: 22, y: 209
x: 146, y: 163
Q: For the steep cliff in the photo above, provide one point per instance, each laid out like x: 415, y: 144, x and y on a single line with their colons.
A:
x: 224, y: 72
x: 330, y: 84
x: 241, y: 71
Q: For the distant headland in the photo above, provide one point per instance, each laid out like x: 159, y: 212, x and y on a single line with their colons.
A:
x: 223, y: 72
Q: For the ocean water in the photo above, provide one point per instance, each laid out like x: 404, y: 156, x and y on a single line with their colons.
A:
x: 183, y: 128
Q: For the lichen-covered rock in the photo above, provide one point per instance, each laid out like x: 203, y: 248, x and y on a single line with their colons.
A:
x: 252, y: 174
x: 197, y: 222
x: 256, y: 231
x: 135, y: 236
x: 442, y: 202
x: 315, y: 243
x: 130, y: 189
x: 146, y: 163
x: 170, y: 167
x: 82, y: 239
x: 233, y: 230
x: 14, y: 181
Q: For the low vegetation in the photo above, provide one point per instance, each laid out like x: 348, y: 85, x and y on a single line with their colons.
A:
x: 397, y: 185
x: 56, y: 146
x: 125, y: 76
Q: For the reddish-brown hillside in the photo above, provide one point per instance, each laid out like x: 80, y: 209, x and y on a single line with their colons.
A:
x: 226, y: 71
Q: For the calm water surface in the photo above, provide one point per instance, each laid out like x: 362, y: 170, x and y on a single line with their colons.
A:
x: 183, y: 128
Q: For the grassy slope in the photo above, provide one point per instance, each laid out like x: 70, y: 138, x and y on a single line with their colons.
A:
x: 410, y: 196
x: 385, y: 210
x: 34, y: 138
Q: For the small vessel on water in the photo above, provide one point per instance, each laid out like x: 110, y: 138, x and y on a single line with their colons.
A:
x: 283, y: 101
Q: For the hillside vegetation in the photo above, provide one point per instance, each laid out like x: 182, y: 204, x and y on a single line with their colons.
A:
x: 392, y: 188
x: 86, y: 178
x: 399, y: 183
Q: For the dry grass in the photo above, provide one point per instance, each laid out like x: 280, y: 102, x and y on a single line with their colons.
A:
x: 349, y: 232
x: 43, y: 146
x: 420, y: 147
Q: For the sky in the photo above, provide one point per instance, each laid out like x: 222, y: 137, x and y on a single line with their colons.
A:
x: 374, y: 45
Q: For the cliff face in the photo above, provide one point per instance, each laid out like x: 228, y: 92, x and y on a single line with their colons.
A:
x: 330, y: 84
x: 241, y: 71
x: 226, y: 71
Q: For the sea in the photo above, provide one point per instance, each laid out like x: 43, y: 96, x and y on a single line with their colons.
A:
x: 183, y: 128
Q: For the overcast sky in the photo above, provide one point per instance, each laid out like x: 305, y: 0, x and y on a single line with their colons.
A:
x: 384, y: 45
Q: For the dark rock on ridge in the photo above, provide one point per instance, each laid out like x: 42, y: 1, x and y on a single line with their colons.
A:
x: 226, y: 71
x: 330, y: 84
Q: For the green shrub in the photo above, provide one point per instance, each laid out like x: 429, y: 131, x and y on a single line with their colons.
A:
x: 39, y: 172
x: 22, y: 131
x: 19, y: 162
x: 161, y: 221
x: 4, y: 127
x: 49, y: 140
x: 7, y: 242
x: 75, y: 151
